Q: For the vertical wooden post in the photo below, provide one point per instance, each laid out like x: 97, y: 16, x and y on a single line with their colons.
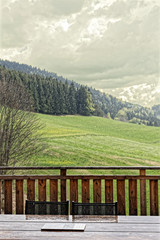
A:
x: 53, y: 190
x: 31, y: 190
x: 109, y: 191
x: 121, y: 197
x: 132, y: 197
x: 63, y: 186
x: 154, y: 197
x: 73, y: 192
x: 143, y: 193
x: 85, y: 191
x: 19, y: 197
x: 8, y: 197
x: 97, y: 191
x: 0, y: 197
x: 42, y: 189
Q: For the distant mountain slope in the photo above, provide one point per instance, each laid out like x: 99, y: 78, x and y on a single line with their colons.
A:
x: 145, y: 94
x: 40, y: 84
x: 30, y: 70
x: 156, y: 109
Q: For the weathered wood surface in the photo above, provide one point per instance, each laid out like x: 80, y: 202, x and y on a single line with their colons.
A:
x: 85, y: 191
x: 63, y: 186
x: 19, y: 197
x: 31, y: 190
x: 73, y: 192
x: 154, y: 198
x: 54, y: 190
x: 132, y: 197
x: 33, y: 235
x: 82, y: 167
x: 108, y: 191
x: 0, y: 195
x: 121, y: 197
x: 90, y: 227
x: 128, y: 227
x: 107, y: 177
x: 42, y: 190
x: 121, y: 219
x: 97, y: 191
x: 143, y: 194
x: 8, y: 197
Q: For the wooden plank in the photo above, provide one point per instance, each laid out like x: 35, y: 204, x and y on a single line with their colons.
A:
x: 109, y: 191
x: 54, y: 190
x: 121, y: 197
x: 82, y: 167
x: 143, y: 203
x: 0, y: 196
x: 154, y: 197
x: 78, y: 235
x: 107, y: 177
x: 73, y: 192
x: 31, y: 190
x: 85, y: 191
x: 132, y: 197
x: 19, y: 197
x: 90, y: 227
x: 8, y: 197
x: 97, y: 191
x: 63, y: 185
x: 139, y: 219
x: 42, y: 189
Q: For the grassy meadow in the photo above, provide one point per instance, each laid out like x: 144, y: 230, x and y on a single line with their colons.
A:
x: 94, y: 141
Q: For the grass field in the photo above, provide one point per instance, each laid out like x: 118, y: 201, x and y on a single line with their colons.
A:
x: 93, y: 141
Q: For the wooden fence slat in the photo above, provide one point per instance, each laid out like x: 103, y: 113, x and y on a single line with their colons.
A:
x: 109, y: 191
x: 42, y: 189
x: 143, y: 202
x: 97, y: 191
x: 8, y: 197
x: 73, y: 192
x: 19, y: 197
x: 132, y: 197
x: 63, y: 186
x: 154, y: 197
x: 31, y: 190
x: 0, y: 196
x: 121, y: 197
x: 85, y: 191
x: 54, y: 190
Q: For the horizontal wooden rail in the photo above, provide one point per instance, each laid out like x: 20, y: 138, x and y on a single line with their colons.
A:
x: 123, y: 177
x: 136, y: 194
x: 84, y: 168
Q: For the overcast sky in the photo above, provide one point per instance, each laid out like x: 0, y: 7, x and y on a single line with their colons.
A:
x: 102, y: 43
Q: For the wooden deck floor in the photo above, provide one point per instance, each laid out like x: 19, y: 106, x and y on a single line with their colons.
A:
x: 127, y: 227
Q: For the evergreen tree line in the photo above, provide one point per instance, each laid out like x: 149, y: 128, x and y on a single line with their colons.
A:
x: 51, y: 96
x: 58, y: 96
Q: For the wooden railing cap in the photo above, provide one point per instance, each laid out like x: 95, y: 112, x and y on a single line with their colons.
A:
x: 82, y: 167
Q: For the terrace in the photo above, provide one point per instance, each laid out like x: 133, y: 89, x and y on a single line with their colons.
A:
x: 134, y: 188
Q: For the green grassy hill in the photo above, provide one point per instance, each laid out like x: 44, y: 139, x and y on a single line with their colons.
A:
x: 94, y: 141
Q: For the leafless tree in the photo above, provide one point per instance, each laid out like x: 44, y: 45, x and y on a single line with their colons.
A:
x: 19, y: 127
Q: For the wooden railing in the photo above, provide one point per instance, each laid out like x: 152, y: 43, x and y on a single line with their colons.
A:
x: 136, y: 194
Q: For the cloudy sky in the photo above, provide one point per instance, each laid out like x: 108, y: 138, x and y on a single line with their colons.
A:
x: 112, y: 45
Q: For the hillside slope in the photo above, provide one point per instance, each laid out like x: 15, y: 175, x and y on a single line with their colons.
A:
x: 91, y: 141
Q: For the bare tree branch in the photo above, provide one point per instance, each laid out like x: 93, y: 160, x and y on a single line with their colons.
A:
x: 19, y: 137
